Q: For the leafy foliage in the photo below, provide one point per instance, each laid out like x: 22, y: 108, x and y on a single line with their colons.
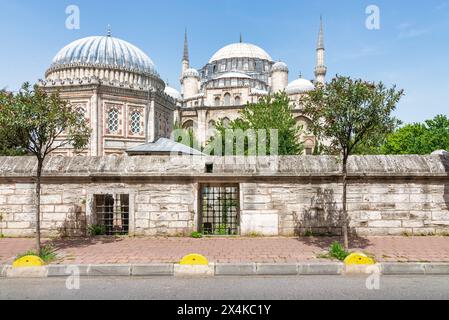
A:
x: 186, y: 137
x: 12, y: 143
x: 97, y: 230
x: 419, y: 138
x: 197, y: 235
x: 48, y: 122
x: 270, y: 113
x: 47, y: 254
x: 337, y: 251
x: 348, y: 113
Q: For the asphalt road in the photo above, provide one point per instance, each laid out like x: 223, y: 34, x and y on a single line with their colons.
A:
x: 229, y: 288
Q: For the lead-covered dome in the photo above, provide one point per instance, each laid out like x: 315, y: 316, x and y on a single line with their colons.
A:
x: 299, y: 86
x: 241, y: 50
x: 104, y: 51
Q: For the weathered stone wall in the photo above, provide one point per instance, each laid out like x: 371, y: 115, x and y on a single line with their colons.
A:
x: 283, y: 196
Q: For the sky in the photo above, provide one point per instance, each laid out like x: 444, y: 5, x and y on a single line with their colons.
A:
x: 410, y: 49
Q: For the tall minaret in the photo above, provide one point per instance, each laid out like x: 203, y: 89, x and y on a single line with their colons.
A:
x: 320, y: 69
x: 185, y: 57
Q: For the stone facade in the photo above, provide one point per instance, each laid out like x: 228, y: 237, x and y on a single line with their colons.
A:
x: 278, y: 196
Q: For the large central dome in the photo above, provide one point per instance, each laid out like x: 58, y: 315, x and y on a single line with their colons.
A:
x: 104, y: 52
x: 241, y: 50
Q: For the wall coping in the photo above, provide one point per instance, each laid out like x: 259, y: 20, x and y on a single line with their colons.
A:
x: 161, y: 167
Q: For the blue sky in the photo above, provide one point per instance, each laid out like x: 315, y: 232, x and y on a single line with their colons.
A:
x: 411, y: 49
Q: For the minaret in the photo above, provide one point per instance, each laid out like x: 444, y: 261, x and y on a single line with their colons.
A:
x: 185, y: 57
x: 320, y: 69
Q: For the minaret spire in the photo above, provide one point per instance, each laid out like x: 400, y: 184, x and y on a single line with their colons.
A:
x: 186, y: 47
x: 320, y: 69
x: 185, y: 56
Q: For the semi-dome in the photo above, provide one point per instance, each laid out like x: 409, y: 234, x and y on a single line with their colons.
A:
x: 300, y: 86
x: 241, y: 50
x: 172, y: 92
x: 104, y: 52
x: 279, y: 66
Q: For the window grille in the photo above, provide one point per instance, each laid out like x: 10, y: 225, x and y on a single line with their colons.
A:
x: 112, y: 213
x: 220, y: 210
x: 135, y: 122
x: 113, y: 121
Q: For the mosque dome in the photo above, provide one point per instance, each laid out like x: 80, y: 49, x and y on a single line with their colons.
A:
x: 172, y: 92
x: 106, y: 59
x: 104, y: 51
x: 191, y: 73
x: 241, y: 50
x: 300, y: 86
x: 279, y: 66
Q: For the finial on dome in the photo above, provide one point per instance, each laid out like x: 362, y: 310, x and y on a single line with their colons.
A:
x: 241, y: 38
x: 300, y: 75
x: 109, y: 34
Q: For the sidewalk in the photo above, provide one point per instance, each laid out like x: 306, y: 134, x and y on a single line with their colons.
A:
x: 228, y: 250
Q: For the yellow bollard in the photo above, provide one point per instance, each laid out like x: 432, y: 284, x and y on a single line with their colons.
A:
x: 194, y: 260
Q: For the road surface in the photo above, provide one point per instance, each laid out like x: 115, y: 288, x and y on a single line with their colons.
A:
x: 228, y: 288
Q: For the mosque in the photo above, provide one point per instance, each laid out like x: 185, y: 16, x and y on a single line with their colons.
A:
x: 117, y: 88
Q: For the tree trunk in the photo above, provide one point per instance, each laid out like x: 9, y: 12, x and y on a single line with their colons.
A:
x: 345, y: 205
x: 38, y: 206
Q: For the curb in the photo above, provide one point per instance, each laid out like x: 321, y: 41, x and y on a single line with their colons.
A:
x: 220, y: 269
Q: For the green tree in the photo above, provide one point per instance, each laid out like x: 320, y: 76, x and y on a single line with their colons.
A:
x: 12, y: 143
x: 270, y: 113
x: 419, y: 138
x: 347, y: 113
x: 50, y: 123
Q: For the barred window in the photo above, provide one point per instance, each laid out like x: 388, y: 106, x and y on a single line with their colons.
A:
x: 136, y: 122
x: 113, y: 120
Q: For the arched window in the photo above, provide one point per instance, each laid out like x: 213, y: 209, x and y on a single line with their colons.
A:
x: 188, y: 125
x: 227, y: 99
x: 237, y: 101
x: 217, y: 101
x: 136, y: 118
x: 212, y: 125
x: 226, y: 122
x: 113, y: 120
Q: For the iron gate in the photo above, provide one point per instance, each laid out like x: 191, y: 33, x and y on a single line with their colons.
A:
x: 219, y: 210
x: 112, y: 212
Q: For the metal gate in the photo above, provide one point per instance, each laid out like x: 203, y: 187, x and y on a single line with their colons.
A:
x: 219, y: 209
x: 112, y: 213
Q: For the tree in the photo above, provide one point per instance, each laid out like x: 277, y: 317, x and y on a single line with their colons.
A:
x: 50, y: 123
x: 272, y: 112
x: 12, y: 143
x: 347, y: 113
x: 419, y: 138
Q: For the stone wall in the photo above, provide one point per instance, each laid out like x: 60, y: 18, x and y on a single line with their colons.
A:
x: 278, y: 196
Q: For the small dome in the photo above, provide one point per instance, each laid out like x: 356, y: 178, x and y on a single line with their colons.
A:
x: 191, y: 73
x: 300, y: 86
x: 234, y: 75
x: 241, y: 50
x: 172, y: 92
x: 104, y: 52
x: 279, y: 66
